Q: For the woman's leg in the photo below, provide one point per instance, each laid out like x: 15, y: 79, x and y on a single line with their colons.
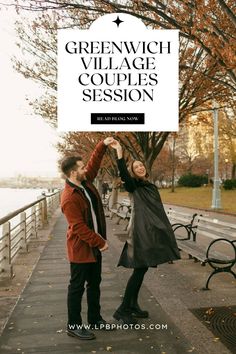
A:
x: 135, y: 309
x: 132, y: 290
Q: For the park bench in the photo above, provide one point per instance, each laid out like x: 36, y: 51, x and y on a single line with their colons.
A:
x: 122, y: 210
x: 181, y: 220
x: 209, y: 241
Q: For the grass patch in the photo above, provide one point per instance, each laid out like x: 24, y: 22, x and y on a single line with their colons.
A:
x: 200, y: 197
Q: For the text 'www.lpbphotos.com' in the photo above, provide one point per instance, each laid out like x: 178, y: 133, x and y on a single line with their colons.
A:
x: 121, y: 326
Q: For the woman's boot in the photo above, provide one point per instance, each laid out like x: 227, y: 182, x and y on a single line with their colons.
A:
x: 137, y: 311
x: 124, y: 316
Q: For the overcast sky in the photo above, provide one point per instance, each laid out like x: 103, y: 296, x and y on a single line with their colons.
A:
x: 26, y: 141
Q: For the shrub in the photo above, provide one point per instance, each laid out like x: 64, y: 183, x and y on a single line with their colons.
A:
x: 229, y: 184
x: 191, y: 180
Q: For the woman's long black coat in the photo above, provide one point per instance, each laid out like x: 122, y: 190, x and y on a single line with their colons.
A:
x: 152, y: 240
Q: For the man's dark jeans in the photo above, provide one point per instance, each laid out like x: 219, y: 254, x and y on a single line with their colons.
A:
x: 81, y: 273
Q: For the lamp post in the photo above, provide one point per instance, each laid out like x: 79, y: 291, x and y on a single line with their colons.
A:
x: 226, y: 168
x: 216, y: 196
x: 207, y: 173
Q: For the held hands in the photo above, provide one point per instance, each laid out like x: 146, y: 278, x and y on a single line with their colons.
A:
x: 108, y: 140
x: 115, y: 144
x: 104, y: 248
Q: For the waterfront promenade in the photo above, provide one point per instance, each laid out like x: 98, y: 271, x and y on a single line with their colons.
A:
x: 170, y: 292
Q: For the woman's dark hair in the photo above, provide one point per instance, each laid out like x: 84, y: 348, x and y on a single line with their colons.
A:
x: 69, y: 163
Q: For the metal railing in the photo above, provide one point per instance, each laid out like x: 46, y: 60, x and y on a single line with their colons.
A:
x: 18, y: 227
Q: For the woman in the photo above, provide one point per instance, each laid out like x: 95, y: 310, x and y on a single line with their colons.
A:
x: 151, y: 239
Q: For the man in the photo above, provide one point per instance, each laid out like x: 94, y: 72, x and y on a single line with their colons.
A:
x: 86, y: 239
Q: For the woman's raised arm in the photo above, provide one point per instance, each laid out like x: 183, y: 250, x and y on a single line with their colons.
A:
x: 130, y: 183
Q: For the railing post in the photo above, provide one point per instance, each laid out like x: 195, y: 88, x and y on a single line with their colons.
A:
x: 33, y: 221
x: 55, y: 201
x: 48, y: 207
x: 50, y: 212
x: 22, y: 235
x: 44, y: 212
x: 5, y: 255
x: 39, y: 217
x: 52, y: 204
x: 58, y: 198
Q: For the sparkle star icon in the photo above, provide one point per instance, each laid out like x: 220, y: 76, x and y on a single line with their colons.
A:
x: 118, y: 21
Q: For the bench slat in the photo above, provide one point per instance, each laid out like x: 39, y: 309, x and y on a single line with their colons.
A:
x: 192, y: 249
x: 216, y: 222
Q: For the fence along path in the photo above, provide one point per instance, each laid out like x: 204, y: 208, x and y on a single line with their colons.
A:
x: 18, y: 227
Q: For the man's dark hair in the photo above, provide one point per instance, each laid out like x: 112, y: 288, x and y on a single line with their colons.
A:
x: 69, y: 163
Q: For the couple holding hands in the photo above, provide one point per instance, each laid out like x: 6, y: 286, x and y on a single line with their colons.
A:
x: 151, y: 239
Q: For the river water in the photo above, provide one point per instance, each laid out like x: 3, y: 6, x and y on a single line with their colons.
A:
x: 12, y: 199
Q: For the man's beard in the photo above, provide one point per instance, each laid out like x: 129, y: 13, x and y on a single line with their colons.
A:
x: 80, y: 177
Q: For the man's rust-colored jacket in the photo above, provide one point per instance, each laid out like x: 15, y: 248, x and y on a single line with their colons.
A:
x: 82, y: 241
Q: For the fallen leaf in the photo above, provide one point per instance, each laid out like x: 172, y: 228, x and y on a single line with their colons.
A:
x: 210, y: 311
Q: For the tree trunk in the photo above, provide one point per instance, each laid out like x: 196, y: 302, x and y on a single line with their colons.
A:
x: 173, y: 166
x: 98, y: 183
x: 234, y: 171
x: 114, y: 192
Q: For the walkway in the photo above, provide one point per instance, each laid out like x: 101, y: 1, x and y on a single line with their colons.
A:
x: 37, y: 324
